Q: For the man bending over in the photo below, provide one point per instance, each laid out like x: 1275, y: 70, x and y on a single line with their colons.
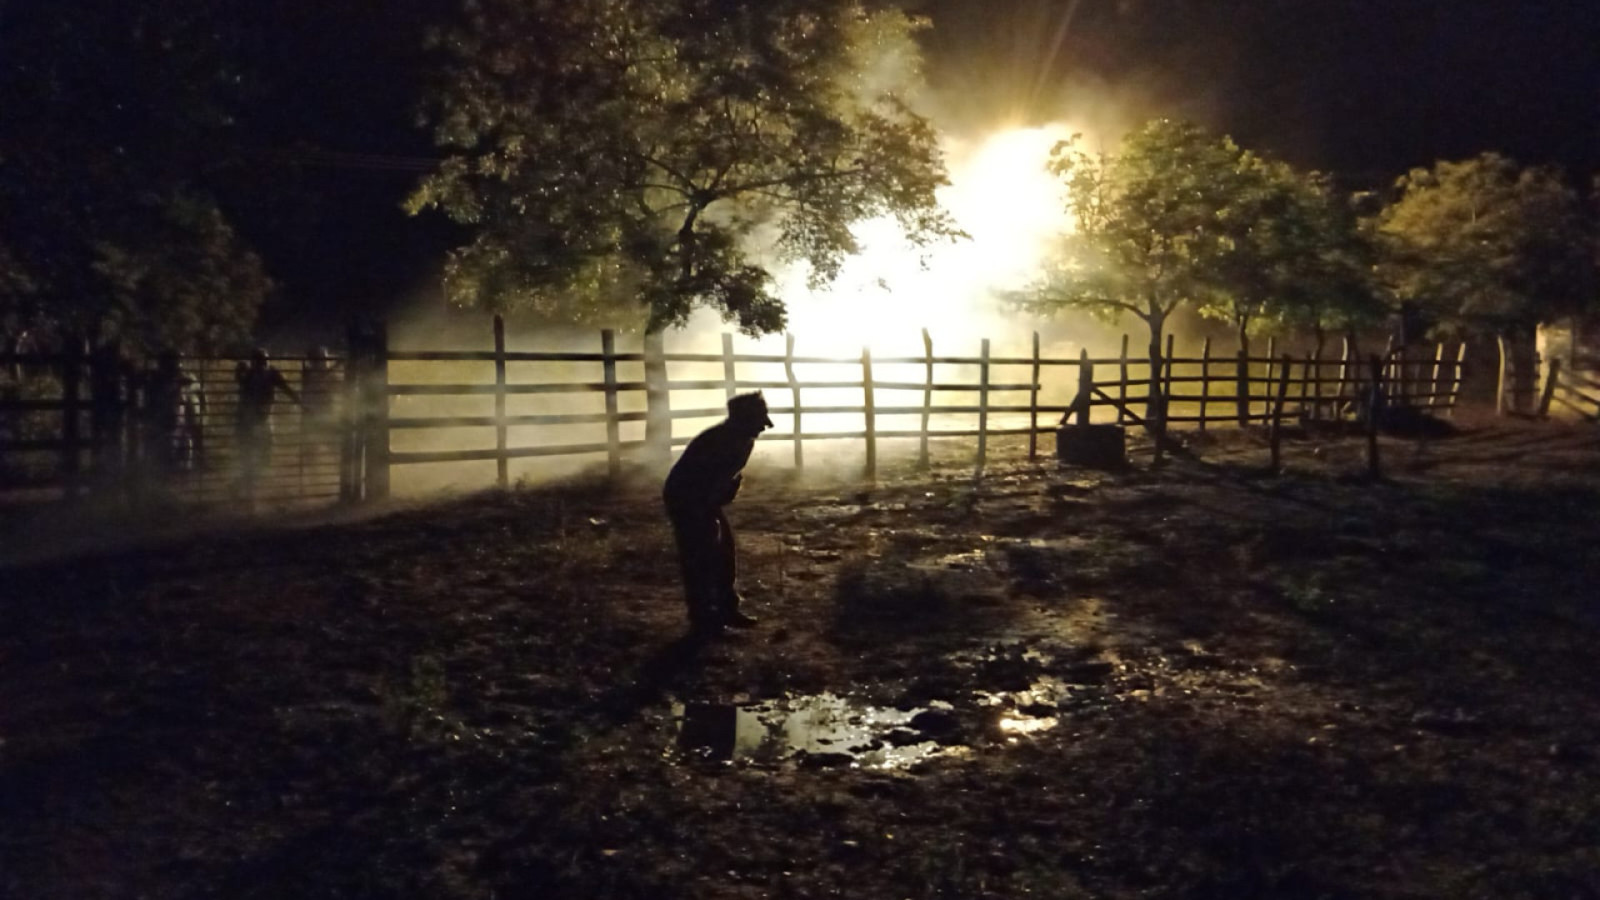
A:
x: 705, y: 479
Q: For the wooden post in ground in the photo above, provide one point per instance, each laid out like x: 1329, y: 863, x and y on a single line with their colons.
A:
x: 927, y: 398
x: 983, y: 405
x: 1500, y: 386
x: 1280, y: 397
x: 608, y: 362
x: 1272, y: 366
x: 1033, y: 404
x: 729, y: 383
x: 71, y: 418
x: 1528, y: 385
x: 348, y: 415
x: 1242, y: 389
x: 501, y: 463
x: 1205, y: 380
x: 1085, y: 387
x: 1305, y: 384
x: 794, y: 393
x: 1550, y: 379
x: 377, y: 441
x: 1122, y: 382
x: 1344, y: 374
x: 869, y: 409
x: 1315, y: 375
x: 1432, y: 383
x: 1374, y: 412
x: 657, y: 400
x: 1455, y: 379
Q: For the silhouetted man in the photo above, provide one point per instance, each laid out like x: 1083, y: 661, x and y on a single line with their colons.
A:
x: 259, y: 384
x: 707, y: 477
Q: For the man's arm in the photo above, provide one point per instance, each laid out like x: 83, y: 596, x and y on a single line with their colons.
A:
x: 282, y: 384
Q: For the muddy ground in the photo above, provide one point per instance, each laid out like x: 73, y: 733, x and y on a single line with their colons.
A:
x: 1194, y: 681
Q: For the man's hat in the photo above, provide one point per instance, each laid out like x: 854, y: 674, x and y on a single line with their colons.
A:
x: 750, y: 408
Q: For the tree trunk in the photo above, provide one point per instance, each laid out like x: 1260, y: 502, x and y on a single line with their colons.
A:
x: 1153, y: 405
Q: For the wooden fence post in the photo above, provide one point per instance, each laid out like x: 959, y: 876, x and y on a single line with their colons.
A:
x: 658, y: 400
x: 927, y: 398
x: 501, y: 463
x: 794, y: 390
x: 1305, y: 384
x: 1528, y: 385
x: 1205, y: 380
x: 1272, y: 362
x: 608, y: 351
x: 377, y: 441
x: 1033, y: 404
x: 71, y: 414
x: 1085, y: 387
x: 1122, y: 383
x: 1433, y: 382
x: 1276, y: 428
x: 871, y: 413
x: 1316, y: 382
x: 1242, y: 388
x: 1455, y: 379
x: 1500, y: 387
x: 729, y: 384
x: 1550, y: 379
x: 353, y: 414
x: 1374, y: 412
x: 983, y: 405
x: 1344, y: 373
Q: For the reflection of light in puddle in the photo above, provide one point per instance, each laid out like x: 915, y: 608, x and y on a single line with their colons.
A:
x: 971, y: 559
x: 1047, y: 694
x: 821, y: 726
x: 1017, y: 724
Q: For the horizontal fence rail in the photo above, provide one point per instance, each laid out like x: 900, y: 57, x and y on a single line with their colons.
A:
x: 956, y: 396
x: 390, y: 407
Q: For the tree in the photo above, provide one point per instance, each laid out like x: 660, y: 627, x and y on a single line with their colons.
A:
x: 1148, y: 227
x: 105, y: 232
x: 1293, y: 256
x: 1483, y: 245
x: 628, y: 159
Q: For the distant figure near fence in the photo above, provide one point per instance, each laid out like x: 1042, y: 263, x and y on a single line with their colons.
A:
x: 706, y: 478
x: 319, y: 385
x: 174, y: 409
x: 259, y: 384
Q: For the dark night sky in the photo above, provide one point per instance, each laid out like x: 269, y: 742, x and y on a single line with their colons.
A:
x: 1359, y: 86
x: 1366, y: 88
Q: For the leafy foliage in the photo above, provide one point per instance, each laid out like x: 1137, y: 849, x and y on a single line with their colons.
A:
x: 113, y: 110
x: 1294, y: 256
x: 1486, y: 246
x: 1179, y: 217
x: 1149, y: 225
x: 622, y: 152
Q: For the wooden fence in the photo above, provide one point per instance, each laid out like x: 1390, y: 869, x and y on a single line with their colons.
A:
x: 73, y: 424
x: 621, y: 404
x: 1009, y: 395
x: 1573, y: 388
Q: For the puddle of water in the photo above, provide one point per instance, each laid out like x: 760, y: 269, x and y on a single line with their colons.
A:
x: 820, y: 729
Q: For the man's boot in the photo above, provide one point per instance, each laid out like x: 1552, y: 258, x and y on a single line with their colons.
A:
x: 732, y: 617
